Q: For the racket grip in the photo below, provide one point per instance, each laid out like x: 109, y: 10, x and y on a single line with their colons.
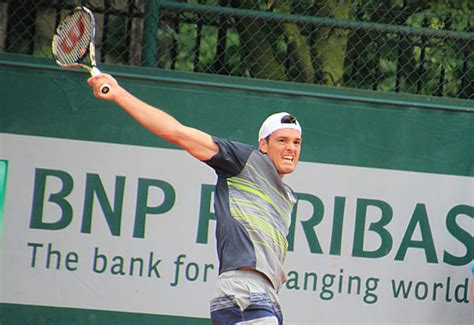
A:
x: 105, y: 88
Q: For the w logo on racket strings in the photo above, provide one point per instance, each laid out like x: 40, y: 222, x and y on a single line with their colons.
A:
x: 73, y: 37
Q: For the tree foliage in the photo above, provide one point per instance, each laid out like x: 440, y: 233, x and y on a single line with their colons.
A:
x: 292, y: 51
x: 348, y: 57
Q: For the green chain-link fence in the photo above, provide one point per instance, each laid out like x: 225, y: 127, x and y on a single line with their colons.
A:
x: 419, y: 47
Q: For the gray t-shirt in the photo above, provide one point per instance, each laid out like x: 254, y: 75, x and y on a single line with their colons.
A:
x: 253, y: 208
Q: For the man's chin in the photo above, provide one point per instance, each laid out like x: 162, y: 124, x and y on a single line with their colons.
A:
x: 287, y: 170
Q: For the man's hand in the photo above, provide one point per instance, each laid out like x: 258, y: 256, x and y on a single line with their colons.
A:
x: 97, y: 81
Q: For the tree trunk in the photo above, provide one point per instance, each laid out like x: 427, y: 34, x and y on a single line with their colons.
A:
x: 136, y: 36
x: 259, y: 55
x: 3, y: 24
x: 329, y: 44
x: 299, y: 51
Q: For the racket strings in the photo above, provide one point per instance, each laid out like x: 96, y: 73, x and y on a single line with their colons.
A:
x: 72, y: 38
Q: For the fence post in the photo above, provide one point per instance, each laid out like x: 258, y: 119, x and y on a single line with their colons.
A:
x: 150, y: 30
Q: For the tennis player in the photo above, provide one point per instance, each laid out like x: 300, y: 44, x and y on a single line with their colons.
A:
x: 252, y: 204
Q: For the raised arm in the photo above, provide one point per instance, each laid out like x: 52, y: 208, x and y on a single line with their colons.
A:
x: 198, y: 143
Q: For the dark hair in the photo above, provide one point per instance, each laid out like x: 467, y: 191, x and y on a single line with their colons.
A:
x: 288, y: 119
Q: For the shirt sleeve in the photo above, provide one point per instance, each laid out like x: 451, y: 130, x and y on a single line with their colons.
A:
x: 231, y: 158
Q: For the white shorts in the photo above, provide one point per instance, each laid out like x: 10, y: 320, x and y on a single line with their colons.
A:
x: 245, y: 297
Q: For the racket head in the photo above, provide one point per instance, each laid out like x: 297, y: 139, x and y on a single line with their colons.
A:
x: 73, y: 38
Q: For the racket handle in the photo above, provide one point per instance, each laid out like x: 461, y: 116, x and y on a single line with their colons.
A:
x: 105, y: 88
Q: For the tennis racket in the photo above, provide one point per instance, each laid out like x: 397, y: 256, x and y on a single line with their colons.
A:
x: 74, y: 41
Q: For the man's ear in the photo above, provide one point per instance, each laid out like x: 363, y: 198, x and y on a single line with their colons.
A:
x: 263, y: 145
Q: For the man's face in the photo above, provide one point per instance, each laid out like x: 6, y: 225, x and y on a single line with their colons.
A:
x: 283, y: 148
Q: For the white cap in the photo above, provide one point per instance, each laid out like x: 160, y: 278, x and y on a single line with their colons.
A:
x: 278, y: 121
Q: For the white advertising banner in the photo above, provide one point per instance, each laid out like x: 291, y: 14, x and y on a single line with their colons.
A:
x: 125, y: 228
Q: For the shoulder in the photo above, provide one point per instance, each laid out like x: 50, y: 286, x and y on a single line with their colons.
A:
x: 231, y: 158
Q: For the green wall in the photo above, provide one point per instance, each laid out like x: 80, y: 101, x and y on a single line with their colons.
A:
x: 345, y: 127
x: 340, y: 126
